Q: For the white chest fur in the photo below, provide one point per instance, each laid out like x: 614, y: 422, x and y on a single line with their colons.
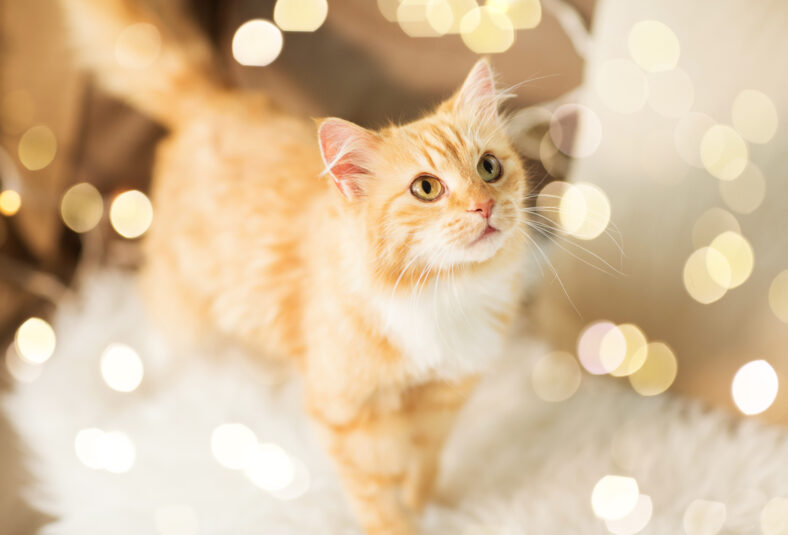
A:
x: 451, y: 328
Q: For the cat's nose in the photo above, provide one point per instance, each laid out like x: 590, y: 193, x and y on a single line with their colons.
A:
x: 483, y: 208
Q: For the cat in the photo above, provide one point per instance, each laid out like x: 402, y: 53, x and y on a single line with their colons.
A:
x: 386, y: 264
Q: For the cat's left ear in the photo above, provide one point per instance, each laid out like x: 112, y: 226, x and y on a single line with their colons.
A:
x: 477, y: 94
x: 347, y: 151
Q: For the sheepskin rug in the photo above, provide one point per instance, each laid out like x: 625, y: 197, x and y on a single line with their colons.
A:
x: 514, y: 465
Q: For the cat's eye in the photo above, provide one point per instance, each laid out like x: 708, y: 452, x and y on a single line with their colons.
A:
x: 426, y: 188
x: 489, y: 168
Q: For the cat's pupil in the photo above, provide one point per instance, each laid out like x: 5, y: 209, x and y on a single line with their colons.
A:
x: 488, y: 166
x: 426, y: 186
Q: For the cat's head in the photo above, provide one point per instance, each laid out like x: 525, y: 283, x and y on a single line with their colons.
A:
x: 445, y: 190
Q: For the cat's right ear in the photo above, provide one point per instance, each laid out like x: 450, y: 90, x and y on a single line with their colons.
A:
x: 347, y: 151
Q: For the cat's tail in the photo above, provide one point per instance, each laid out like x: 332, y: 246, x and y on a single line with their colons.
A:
x: 146, y: 54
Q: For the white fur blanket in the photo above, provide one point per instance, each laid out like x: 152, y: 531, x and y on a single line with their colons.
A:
x: 515, y: 464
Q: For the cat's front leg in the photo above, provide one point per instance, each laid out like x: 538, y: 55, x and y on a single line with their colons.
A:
x: 372, y: 451
x: 432, y: 409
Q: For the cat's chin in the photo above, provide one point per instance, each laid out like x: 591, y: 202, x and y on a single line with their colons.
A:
x: 482, y: 248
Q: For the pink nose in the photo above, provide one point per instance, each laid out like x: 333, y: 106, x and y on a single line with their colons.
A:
x: 483, y: 208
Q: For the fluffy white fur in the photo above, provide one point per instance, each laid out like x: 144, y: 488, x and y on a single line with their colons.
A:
x: 515, y: 464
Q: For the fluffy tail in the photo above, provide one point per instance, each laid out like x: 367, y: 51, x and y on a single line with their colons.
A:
x: 148, y: 56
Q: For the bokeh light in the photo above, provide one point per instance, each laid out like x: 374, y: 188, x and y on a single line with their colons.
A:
x: 20, y: 369
x: 697, y: 280
x: 300, y: 15
x: 704, y: 517
x: 524, y: 14
x: 745, y: 193
x: 35, y: 340
x: 778, y: 296
x: 299, y: 485
x: 81, y: 207
x: 621, y: 85
x: 111, y: 451
x: 138, y: 46
x: 635, y: 353
x: 576, y: 130
x: 754, y: 116
x: 601, y: 348
x: 738, y: 260
x: 755, y: 387
x: 671, y: 93
x: 688, y: 135
x: 176, y: 520
x: 711, y: 224
x: 232, y: 445
x: 389, y: 9
x: 486, y: 30
x: 37, y: 147
x: 774, y: 517
x: 723, y: 152
x: 131, y: 214
x: 654, y: 46
x: 425, y: 18
x: 257, y: 43
x: 658, y: 371
x: 584, y: 211
x: 10, y: 202
x: 121, y: 368
x: 556, y: 376
x: 270, y: 467
x: 635, y: 521
x: 614, y: 497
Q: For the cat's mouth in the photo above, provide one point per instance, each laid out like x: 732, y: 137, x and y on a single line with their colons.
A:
x: 488, y: 231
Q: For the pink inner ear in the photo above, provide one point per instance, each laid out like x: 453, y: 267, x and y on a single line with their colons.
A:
x: 478, y: 90
x: 345, y: 148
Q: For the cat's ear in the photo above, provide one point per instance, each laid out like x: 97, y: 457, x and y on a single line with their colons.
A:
x: 347, y: 150
x: 477, y: 93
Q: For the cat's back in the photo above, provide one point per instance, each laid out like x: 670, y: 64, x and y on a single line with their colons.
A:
x: 234, y: 192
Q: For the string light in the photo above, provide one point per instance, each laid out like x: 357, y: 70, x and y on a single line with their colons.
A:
x: 697, y: 280
x: 556, y: 377
x: 584, y: 211
x: 37, y: 148
x: 657, y: 372
x: 576, y: 130
x: 270, y: 467
x: 300, y: 15
x: 733, y: 266
x: 774, y: 517
x: 711, y: 224
x: 745, y: 193
x: 424, y: 18
x: 704, y: 517
x: 121, y: 368
x: 635, y: 521
x: 601, y: 348
x: 10, y: 202
x: 232, y: 445
x: 81, y: 207
x: 614, y: 497
x: 755, y: 387
x: 112, y: 451
x: 654, y: 46
x: 778, y: 296
x: 754, y: 116
x: 257, y: 43
x: 21, y: 370
x: 636, y: 351
x: 723, y: 152
x: 35, y: 340
x: 524, y: 14
x: 131, y: 214
x: 486, y: 30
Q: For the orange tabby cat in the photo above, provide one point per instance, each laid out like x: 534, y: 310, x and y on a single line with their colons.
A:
x: 386, y: 263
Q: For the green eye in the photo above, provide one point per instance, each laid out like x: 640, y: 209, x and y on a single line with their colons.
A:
x: 489, y: 168
x: 426, y: 188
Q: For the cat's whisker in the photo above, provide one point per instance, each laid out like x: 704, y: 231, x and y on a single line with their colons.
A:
x: 554, y: 239
x: 555, y: 272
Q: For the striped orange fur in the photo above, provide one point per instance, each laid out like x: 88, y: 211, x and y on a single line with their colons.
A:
x: 307, y: 243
